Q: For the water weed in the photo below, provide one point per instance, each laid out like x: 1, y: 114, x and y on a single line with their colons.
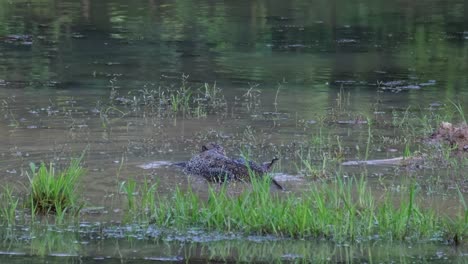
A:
x: 369, y: 138
x: 55, y: 192
x: 340, y: 210
x: 129, y: 188
x: 459, y: 110
x: 148, y: 196
x: 181, y: 98
x: 141, y: 200
x: 168, y: 101
x: 9, y: 206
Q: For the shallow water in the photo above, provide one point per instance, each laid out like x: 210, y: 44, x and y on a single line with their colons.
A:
x: 284, y: 68
x: 133, y: 245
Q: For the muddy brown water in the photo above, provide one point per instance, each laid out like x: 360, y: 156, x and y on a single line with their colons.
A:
x: 315, y: 68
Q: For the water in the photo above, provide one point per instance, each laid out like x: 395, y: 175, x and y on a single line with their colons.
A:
x: 126, y: 245
x: 280, y: 66
x: 78, y: 45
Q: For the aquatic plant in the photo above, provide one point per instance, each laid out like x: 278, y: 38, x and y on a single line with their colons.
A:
x: 212, y: 93
x: 141, y: 199
x: 148, y: 196
x: 129, y: 188
x: 180, y: 100
x: 55, y: 192
x: 459, y: 109
x: 369, y: 138
x: 8, y: 206
x: 308, y: 168
x: 165, y: 100
x: 340, y: 211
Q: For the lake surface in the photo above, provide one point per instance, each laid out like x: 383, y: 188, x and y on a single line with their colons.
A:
x: 75, y: 75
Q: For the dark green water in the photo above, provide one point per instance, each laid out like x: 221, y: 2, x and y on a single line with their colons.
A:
x: 312, y: 44
x: 58, y: 60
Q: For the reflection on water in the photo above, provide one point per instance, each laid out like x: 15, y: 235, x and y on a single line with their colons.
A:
x: 125, y: 245
x: 82, y: 44
x: 61, y: 63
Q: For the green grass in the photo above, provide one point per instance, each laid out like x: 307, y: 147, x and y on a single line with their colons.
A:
x: 129, y: 188
x: 165, y: 101
x: 140, y: 199
x: 180, y: 100
x: 459, y: 109
x: 340, y: 211
x: 52, y: 191
x: 9, y: 205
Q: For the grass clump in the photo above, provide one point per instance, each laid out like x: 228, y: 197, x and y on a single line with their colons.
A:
x: 9, y: 205
x: 52, y: 191
x: 141, y: 200
x: 340, y: 211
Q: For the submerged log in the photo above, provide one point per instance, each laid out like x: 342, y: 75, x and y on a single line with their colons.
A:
x: 454, y: 135
x: 400, y: 161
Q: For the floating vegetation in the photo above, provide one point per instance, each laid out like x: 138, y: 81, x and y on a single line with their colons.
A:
x: 55, y: 192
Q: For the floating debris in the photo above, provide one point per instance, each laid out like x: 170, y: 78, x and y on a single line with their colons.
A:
x: 165, y: 259
x: 352, y: 122
x: 286, y: 177
x: 155, y: 165
x: 436, y: 104
x: 346, y: 41
x: 21, y: 39
x: 77, y: 35
x: 393, y: 161
x: 93, y: 210
x: 428, y: 83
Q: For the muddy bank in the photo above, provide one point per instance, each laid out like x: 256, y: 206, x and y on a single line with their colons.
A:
x: 456, y: 136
